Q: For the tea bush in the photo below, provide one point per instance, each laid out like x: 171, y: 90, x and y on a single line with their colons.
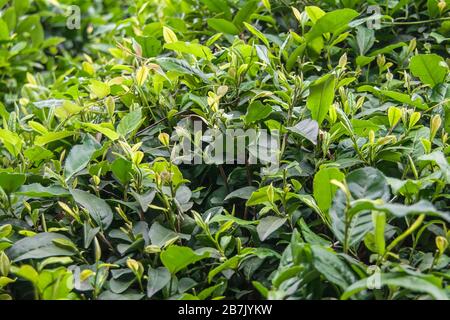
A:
x: 98, y: 96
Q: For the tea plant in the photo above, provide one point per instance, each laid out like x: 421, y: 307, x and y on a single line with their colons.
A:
x: 96, y: 201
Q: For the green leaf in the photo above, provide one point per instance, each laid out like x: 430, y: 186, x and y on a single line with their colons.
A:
x: 368, y: 183
x: 439, y: 158
x: 428, y: 68
x: 310, y: 236
x: 4, y: 281
x: 363, y: 60
x: 298, y: 52
x: 205, y: 293
x: 38, y: 247
x: 33, y: 26
x: 4, y: 30
x: 363, y: 127
x: 37, y: 153
x: 218, y: 6
x: 5, y: 230
x: 11, y: 182
x: 10, y: 17
x: 67, y: 109
x: 27, y: 272
x: 169, y: 35
x: 12, y: 141
x: 231, y: 263
x: 99, y: 89
x: 314, y: 13
x: 323, y: 189
x: 379, y: 224
x: 241, y: 193
x: 349, y: 231
x: 365, y: 39
x: 128, y: 295
x: 394, y: 116
x: 130, y: 122
x: 413, y: 283
x: 55, y: 260
x: 399, y: 210
x: 98, y: 209
x: 331, y: 267
x: 79, y: 157
x: 310, y: 202
x: 51, y: 137
x: 308, y: 129
x: 404, y: 98
x: 245, y: 12
x: 229, y: 217
x: 321, y: 97
x: 334, y: 22
x: 55, y: 284
x: 223, y: 26
x: 257, y: 33
x: 260, y: 197
x: 21, y: 6
x: 145, y: 199
x: 122, y: 170
x: 269, y: 225
x: 433, y: 8
x: 196, y: 49
x: 257, y: 111
x: 104, y: 129
x: 160, y: 236
x: 176, y: 258
x: 151, y: 46
x: 157, y: 280
x: 387, y: 49
x: 36, y: 190
x: 181, y: 67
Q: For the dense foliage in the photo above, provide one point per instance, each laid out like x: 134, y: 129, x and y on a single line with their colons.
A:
x: 93, y: 204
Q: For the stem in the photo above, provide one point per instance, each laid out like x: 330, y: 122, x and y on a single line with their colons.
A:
x: 416, y: 22
x: 289, y: 117
x: 10, y: 204
x: 170, y: 285
x: 95, y: 293
x: 224, y: 177
x: 410, y: 230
